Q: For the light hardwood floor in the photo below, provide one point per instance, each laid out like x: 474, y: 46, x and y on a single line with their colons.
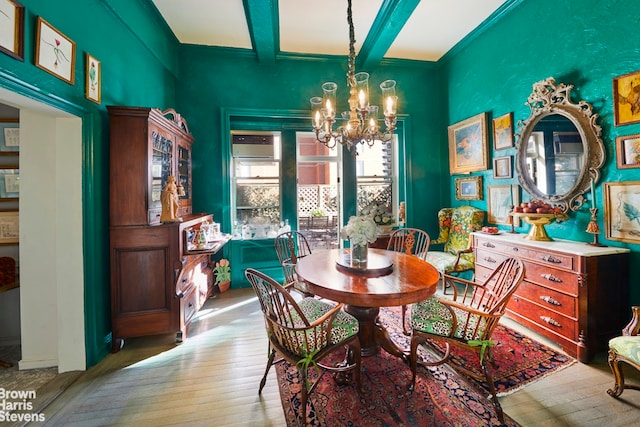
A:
x: 212, y: 380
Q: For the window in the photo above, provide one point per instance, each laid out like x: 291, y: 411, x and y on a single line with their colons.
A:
x: 376, y: 174
x: 255, y: 181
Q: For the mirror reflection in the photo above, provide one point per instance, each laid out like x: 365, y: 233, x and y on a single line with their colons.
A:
x: 554, y: 155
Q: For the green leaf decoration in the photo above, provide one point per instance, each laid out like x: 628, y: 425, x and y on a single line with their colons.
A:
x: 305, y: 362
x: 485, y: 344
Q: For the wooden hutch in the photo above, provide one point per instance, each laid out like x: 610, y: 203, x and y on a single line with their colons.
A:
x: 158, y: 282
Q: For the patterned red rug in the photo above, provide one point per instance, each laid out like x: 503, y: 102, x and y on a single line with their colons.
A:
x: 442, y: 397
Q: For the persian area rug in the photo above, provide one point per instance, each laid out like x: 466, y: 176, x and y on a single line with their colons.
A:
x: 442, y: 397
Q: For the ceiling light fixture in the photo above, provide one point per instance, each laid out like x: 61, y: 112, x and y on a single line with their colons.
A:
x: 362, y: 119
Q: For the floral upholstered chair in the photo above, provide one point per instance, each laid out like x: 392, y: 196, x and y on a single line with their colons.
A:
x: 625, y: 348
x: 456, y: 226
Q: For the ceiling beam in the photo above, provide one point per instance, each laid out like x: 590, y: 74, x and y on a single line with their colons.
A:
x: 262, y: 20
x: 391, y: 18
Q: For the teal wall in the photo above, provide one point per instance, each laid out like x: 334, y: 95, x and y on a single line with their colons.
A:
x: 139, y: 67
x: 215, y: 79
x: 581, y: 42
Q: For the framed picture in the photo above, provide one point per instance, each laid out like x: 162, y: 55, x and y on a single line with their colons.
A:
x: 500, y: 200
x: 469, y: 188
x: 468, y: 145
x: 503, y: 132
x: 628, y: 151
x: 55, y: 53
x: 9, y: 182
x: 502, y: 167
x: 9, y: 136
x: 12, y: 28
x: 93, y: 77
x: 626, y: 102
x: 9, y: 227
x: 622, y: 210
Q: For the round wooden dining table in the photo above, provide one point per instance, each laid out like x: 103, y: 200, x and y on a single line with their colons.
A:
x: 408, y: 280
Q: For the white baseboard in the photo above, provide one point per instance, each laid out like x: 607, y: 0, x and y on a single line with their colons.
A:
x: 37, y: 364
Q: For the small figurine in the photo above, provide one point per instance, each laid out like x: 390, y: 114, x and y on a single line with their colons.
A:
x: 169, y: 200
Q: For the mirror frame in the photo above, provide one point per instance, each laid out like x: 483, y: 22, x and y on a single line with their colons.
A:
x: 548, y: 99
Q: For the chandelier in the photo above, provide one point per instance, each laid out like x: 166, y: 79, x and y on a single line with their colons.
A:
x: 362, y: 124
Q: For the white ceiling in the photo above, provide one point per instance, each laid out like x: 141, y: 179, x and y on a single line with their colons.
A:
x: 320, y: 26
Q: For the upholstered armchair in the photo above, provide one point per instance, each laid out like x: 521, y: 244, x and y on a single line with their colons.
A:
x: 455, y: 228
x: 625, y: 348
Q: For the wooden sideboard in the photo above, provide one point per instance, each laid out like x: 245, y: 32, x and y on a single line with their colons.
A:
x: 573, y: 293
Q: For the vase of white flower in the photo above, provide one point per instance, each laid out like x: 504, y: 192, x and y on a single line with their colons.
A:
x: 360, y: 230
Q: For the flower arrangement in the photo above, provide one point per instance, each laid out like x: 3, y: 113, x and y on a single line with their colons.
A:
x: 222, y: 271
x: 379, y: 214
x: 360, y: 230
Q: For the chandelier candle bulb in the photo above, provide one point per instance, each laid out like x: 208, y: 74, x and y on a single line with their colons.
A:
x: 361, y: 98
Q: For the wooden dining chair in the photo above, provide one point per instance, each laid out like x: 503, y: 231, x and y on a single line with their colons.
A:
x: 304, y: 333
x: 291, y: 246
x: 467, y: 320
x: 411, y: 241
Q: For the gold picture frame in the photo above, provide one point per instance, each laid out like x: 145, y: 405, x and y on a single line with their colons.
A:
x: 93, y: 78
x: 468, y: 145
x: 503, y: 132
x: 628, y: 151
x: 469, y: 188
x: 9, y: 227
x: 502, y: 167
x: 12, y: 29
x: 626, y: 103
x: 55, y: 52
x: 621, y: 209
x: 500, y: 200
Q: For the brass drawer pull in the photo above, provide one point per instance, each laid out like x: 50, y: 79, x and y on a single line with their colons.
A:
x: 550, y: 300
x: 489, y: 259
x: 551, y: 278
x: 550, y: 321
x: 488, y: 245
x: 551, y: 259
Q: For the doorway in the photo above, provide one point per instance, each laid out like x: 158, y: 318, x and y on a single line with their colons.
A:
x: 319, y: 192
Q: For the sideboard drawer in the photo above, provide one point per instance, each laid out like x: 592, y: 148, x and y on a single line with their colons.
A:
x: 549, y: 298
x: 565, y: 326
x: 489, y: 259
x: 560, y: 280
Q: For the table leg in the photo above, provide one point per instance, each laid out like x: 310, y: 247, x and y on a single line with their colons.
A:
x: 372, y: 334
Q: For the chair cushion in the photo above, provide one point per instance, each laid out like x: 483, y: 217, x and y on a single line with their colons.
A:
x: 627, y: 347
x: 432, y: 317
x: 444, y: 261
x: 344, y: 324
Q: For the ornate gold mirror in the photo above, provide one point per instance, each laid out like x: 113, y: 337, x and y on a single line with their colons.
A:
x: 559, y: 148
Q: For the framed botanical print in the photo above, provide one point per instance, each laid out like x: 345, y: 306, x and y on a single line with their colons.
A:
x: 469, y: 188
x: 468, y: 145
x: 500, y: 200
x: 93, y: 77
x: 55, y: 53
x: 9, y: 137
x: 503, y: 132
x: 12, y: 29
x: 9, y: 227
x: 622, y: 210
x: 626, y: 99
